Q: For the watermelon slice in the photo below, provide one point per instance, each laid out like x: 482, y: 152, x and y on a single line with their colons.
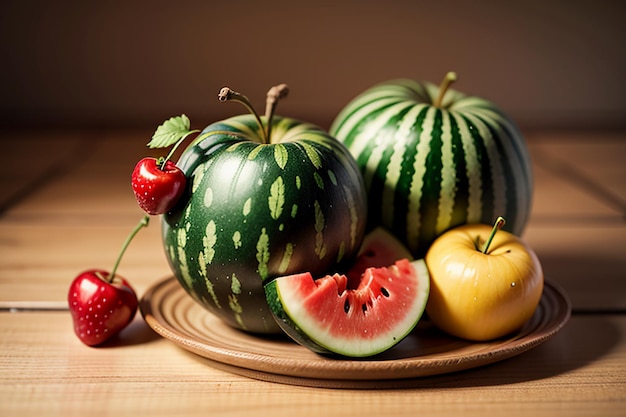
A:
x: 378, y: 249
x: 339, y: 314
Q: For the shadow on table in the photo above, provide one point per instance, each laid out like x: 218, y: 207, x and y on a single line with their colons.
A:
x: 582, y: 341
x: 578, y: 344
x: 594, y: 283
x: 137, y: 333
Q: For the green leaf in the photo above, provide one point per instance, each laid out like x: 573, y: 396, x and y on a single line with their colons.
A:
x: 170, y: 132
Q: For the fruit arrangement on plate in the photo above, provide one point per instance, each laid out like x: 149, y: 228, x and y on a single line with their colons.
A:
x: 343, y: 240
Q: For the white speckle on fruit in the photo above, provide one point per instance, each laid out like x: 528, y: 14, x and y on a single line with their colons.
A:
x: 237, y: 239
x: 354, y: 215
x: 341, y: 252
x: 263, y: 253
x: 181, y: 237
x: 211, y: 291
x: 198, y: 174
x: 332, y: 177
x: 184, y: 268
x: 280, y: 155
x: 235, y: 285
x: 276, y: 200
x: 208, y: 197
x: 208, y: 241
x: 320, y: 224
x: 247, y: 206
x: 234, y: 305
x: 284, y: 263
x: 318, y: 180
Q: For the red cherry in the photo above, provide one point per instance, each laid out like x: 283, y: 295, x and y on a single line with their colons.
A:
x: 100, y: 309
x: 157, y: 189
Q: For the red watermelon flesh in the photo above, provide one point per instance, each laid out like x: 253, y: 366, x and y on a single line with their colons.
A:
x: 379, y: 249
x: 327, y: 315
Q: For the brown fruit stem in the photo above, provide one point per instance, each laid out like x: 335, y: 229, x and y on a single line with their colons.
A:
x: 142, y: 223
x: 226, y: 94
x: 274, y: 95
x: 444, y: 86
x: 497, y: 226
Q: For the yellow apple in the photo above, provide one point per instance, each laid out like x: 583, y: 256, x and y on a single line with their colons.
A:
x: 485, y: 282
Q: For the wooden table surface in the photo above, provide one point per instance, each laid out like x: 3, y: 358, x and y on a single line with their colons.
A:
x: 66, y: 206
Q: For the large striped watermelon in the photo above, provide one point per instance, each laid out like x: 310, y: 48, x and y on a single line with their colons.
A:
x: 433, y: 158
x: 255, y: 211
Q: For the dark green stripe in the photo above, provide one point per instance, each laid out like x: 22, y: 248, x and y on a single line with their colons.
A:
x: 485, y: 173
x: 431, y: 190
x: 510, y: 182
x: 377, y: 185
x: 521, y: 152
x: 459, y: 211
x: 362, y: 127
x: 401, y: 201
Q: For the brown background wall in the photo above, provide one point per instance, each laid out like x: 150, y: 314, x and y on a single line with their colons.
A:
x: 83, y: 63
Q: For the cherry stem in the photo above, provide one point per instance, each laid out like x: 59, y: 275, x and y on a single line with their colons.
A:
x: 497, y: 226
x: 444, y: 86
x: 226, y: 94
x: 274, y: 95
x: 163, y: 161
x: 142, y: 223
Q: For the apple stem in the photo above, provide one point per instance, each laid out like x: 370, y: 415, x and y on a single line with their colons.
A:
x: 226, y: 94
x: 162, y: 161
x: 142, y: 223
x: 498, y: 225
x: 274, y: 95
x: 444, y: 86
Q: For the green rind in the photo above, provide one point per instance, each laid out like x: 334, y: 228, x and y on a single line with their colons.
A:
x: 230, y: 234
x: 289, y: 324
x: 285, y: 322
x: 427, y: 169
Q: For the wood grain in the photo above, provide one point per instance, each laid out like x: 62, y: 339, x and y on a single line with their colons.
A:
x: 63, y: 213
x: 47, y: 371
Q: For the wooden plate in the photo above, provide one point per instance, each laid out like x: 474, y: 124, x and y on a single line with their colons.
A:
x: 173, y: 314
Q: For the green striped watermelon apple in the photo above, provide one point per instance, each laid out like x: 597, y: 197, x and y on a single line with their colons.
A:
x: 366, y: 311
x: 434, y: 158
x: 267, y: 197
